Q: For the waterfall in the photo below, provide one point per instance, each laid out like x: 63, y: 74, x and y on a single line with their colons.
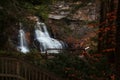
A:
x: 44, y: 39
x: 23, y: 46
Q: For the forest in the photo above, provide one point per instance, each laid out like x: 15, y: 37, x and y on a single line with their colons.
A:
x: 71, y: 39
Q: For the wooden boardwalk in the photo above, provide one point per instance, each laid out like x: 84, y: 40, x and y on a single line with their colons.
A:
x: 16, y: 69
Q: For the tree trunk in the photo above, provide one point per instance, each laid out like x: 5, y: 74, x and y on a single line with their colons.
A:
x: 107, y: 7
x: 118, y: 43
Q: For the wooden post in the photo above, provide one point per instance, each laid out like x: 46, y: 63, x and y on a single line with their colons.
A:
x: 25, y: 76
x: 2, y: 67
x: 18, y: 68
x: 41, y: 76
x: 36, y: 75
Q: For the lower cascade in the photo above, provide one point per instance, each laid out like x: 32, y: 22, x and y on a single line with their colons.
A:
x: 47, y: 43
x: 23, y: 46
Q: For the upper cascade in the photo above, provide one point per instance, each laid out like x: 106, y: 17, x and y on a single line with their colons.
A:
x: 47, y: 43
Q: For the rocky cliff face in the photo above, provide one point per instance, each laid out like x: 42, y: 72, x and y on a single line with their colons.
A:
x: 73, y: 19
x: 74, y: 11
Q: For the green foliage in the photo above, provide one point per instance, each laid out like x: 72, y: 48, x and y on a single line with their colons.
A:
x: 74, y: 68
x: 33, y: 58
x: 42, y: 10
x: 10, y: 54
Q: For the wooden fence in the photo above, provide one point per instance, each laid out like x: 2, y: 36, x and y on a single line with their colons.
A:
x: 16, y: 69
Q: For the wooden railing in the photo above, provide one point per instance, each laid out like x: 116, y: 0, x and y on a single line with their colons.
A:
x: 16, y: 69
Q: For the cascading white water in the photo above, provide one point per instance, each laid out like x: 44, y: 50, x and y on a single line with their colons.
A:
x: 22, y: 47
x: 46, y: 42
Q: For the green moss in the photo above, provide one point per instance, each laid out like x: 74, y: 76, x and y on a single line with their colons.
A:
x: 42, y: 10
